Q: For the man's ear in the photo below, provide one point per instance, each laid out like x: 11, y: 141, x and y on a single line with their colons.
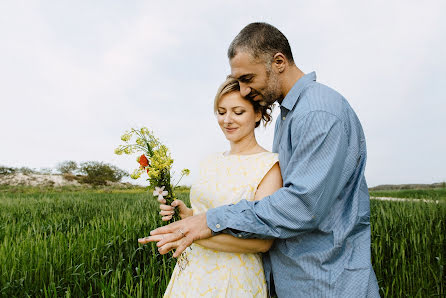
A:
x: 279, y: 63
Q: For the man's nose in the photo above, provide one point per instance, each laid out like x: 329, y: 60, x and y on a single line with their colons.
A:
x: 244, y: 90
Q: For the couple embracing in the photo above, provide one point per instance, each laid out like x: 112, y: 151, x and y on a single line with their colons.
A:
x: 294, y: 223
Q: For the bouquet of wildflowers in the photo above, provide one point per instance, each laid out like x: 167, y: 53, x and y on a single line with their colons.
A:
x: 155, y: 160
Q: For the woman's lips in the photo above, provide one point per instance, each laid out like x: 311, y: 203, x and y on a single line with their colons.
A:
x: 230, y: 129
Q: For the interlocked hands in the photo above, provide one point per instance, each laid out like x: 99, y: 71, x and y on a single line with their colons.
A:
x: 180, y: 234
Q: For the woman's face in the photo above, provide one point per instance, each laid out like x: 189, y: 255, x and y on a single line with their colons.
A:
x: 236, y: 116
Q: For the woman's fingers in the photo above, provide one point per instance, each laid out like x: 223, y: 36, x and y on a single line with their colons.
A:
x: 166, y: 212
x: 181, y: 246
x: 161, y: 200
x: 166, y: 207
x: 146, y: 239
x: 168, y: 247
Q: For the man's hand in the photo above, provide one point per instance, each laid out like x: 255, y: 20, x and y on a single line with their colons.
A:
x: 179, y: 234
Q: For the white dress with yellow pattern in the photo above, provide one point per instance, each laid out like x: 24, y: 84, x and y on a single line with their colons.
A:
x: 224, y: 179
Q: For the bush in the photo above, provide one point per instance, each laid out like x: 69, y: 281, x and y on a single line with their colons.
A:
x: 45, y: 171
x: 67, y: 167
x: 7, y: 170
x: 27, y: 171
x: 99, y: 173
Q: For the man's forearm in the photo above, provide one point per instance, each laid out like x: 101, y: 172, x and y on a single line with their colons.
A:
x: 228, y: 243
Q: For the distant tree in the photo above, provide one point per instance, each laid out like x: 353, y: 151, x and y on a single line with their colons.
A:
x: 27, y: 171
x: 45, y: 171
x: 67, y: 167
x: 7, y: 170
x: 99, y: 173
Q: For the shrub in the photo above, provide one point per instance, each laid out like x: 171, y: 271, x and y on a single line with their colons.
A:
x: 67, y: 167
x: 99, y: 173
x: 7, y: 170
x: 45, y: 171
x: 27, y: 171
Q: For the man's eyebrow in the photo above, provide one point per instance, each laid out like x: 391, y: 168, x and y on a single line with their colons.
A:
x: 244, y: 77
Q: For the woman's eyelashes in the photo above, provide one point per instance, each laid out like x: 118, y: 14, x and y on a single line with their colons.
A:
x: 222, y: 112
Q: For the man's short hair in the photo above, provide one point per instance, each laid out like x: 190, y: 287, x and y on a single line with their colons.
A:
x: 262, y: 41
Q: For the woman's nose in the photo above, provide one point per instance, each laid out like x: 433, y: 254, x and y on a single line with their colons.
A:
x: 228, y: 118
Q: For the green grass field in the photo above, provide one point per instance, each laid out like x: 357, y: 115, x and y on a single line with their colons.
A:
x: 428, y: 194
x: 79, y: 244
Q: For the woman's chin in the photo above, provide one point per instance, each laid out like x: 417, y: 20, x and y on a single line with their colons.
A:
x: 231, y: 138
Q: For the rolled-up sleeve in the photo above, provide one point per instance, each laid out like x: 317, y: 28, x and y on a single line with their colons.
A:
x: 313, y: 179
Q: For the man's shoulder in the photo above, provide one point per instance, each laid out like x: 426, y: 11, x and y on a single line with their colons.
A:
x: 318, y: 97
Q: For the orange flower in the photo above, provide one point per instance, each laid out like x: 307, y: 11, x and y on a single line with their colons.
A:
x: 143, y: 161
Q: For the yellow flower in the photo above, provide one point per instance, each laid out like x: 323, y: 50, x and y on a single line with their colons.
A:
x: 126, y: 137
x: 185, y: 172
x: 140, y: 141
x: 118, y: 151
x: 144, y: 131
x: 136, y: 174
x: 128, y: 150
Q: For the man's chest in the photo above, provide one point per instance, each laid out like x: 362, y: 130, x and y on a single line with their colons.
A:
x: 283, y: 142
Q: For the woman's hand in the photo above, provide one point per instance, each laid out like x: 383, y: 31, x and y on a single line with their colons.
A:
x: 167, y: 211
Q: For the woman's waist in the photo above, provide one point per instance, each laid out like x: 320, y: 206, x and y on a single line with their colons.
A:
x: 200, y: 251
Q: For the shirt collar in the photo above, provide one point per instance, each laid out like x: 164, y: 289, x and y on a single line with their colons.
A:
x: 293, y: 95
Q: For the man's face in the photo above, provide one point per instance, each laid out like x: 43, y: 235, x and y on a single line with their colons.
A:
x: 256, y: 81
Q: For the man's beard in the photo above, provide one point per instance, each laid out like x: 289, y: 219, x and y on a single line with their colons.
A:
x: 272, y: 92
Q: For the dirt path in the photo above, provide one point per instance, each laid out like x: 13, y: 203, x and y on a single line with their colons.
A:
x: 403, y: 200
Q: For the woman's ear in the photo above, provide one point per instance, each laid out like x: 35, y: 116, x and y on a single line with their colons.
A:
x: 258, y: 116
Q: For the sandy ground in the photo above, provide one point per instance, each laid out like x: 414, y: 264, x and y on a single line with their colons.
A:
x: 36, y: 180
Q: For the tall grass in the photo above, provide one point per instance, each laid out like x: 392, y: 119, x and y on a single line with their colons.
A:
x: 409, y: 248
x: 79, y: 244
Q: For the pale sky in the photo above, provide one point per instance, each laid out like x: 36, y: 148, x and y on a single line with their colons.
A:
x: 75, y: 75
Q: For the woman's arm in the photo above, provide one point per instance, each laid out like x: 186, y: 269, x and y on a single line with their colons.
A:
x: 227, y: 243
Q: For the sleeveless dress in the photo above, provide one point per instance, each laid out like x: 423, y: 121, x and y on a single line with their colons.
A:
x: 202, y: 272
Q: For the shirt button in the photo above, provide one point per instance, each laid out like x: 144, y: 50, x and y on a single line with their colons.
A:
x: 218, y: 226
x: 240, y: 235
x: 283, y: 118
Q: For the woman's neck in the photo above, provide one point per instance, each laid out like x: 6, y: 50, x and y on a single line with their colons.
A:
x: 245, y: 146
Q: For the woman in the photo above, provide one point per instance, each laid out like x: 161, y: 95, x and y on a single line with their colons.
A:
x: 223, y: 265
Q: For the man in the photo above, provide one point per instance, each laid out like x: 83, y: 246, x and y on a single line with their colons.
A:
x: 321, y: 216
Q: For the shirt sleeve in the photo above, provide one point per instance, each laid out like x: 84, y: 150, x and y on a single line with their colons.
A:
x: 313, y: 179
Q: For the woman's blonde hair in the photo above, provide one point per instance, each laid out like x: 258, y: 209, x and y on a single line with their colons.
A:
x: 232, y: 85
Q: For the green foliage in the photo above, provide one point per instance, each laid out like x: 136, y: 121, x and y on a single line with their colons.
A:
x: 7, y: 170
x: 98, y: 173
x: 27, y: 171
x: 67, y: 167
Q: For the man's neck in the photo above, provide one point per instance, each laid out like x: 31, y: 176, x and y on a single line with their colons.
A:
x: 291, y: 77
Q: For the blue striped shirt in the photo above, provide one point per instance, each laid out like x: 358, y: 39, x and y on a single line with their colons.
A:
x: 321, y: 216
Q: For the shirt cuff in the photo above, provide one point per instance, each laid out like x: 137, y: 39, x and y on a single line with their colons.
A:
x: 216, y: 219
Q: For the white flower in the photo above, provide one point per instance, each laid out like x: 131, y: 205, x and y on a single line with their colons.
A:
x: 160, y: 192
